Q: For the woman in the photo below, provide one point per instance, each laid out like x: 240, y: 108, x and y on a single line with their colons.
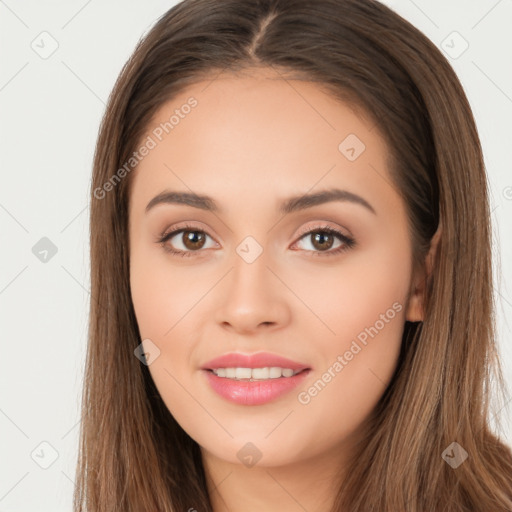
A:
x: 291, y: 271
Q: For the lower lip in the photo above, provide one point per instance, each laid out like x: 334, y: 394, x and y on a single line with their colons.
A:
x: 255, y: 392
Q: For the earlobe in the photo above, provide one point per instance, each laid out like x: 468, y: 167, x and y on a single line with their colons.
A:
x: 415, y: 308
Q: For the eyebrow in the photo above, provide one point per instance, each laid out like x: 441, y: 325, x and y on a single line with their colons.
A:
x: 290, y: 205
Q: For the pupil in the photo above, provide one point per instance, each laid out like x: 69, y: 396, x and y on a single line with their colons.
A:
x: 193, y: 238
x: 321, y: 239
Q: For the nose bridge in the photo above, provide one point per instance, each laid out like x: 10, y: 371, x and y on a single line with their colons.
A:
x: 250, y: 280
x: 250, y: 266
x: 252, y: 296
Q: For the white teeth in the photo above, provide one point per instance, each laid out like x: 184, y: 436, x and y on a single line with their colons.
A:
x: 260, y: 373
x: 273, y: 372
x: 242, y: 373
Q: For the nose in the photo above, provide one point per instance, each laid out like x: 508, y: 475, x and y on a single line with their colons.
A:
x: 252, y: 298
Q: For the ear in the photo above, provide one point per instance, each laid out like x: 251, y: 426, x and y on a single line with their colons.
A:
x: 415, y: 308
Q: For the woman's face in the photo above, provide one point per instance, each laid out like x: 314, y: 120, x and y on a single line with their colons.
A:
x: 258, y: 274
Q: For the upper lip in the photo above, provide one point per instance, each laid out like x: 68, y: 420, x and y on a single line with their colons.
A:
x: 257, y: 360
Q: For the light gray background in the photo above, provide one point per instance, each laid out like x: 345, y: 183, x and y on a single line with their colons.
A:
x: 50, y: 112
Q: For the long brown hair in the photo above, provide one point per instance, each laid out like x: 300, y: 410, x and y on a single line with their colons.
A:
x: 133, y: 454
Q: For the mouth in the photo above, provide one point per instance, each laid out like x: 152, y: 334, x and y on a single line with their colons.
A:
x: 254, y: 379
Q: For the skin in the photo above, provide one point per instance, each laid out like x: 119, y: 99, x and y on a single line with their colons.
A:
x: 252, y: 141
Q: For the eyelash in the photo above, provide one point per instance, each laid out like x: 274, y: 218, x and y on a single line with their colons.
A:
x: 348, y: 242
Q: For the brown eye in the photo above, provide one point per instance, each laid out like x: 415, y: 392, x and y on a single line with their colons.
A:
x: 185, y: 241
x: 193, y: 240
x: 325, y: 241
x: 322, y: 240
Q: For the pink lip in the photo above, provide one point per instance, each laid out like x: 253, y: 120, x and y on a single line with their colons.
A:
x: 258, y: 360
x: 244, y: 392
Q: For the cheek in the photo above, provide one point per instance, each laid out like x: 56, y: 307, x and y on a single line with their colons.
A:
x: 368, y: 288
x: 169, y: 307
x: 363, y: 304
x: 164, y: 301
x: 162, y: 293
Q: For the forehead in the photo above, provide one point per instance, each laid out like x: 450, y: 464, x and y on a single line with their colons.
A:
x: 259, y: 130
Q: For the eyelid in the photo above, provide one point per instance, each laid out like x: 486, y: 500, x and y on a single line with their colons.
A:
x: 322, y: 224
x: 185, y: 226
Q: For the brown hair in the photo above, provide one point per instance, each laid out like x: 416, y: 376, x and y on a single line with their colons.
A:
x: 133, y: 454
